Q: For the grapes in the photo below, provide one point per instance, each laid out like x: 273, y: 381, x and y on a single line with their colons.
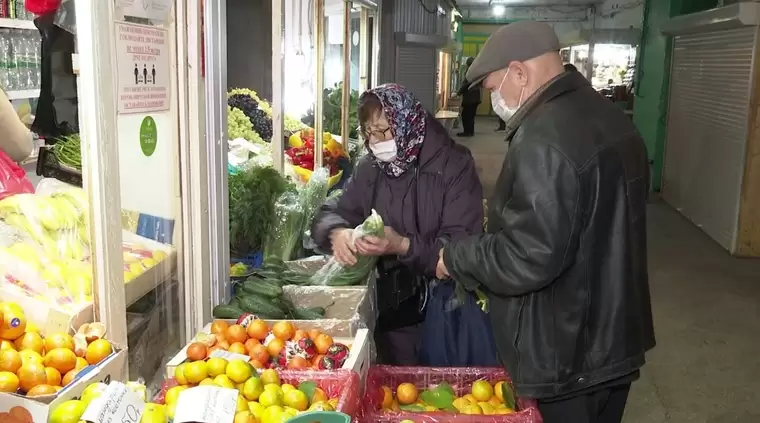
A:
x: 261, y: 124
x: 237, y: 98
x: 239, y: 126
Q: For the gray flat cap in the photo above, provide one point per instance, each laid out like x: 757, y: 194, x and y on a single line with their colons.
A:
x: 519, y: 41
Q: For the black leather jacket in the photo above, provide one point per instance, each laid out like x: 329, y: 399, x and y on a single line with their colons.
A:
x: 564, y: 261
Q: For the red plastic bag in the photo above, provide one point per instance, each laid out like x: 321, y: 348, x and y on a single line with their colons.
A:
x: 460, y: 378
x: 13, y: 178
x: 41, y: 7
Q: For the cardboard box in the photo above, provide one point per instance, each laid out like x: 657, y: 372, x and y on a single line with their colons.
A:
x: 39, y: 408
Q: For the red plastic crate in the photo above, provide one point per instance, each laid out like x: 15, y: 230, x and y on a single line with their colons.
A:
x: 460, y: 378
x: 341, y: 384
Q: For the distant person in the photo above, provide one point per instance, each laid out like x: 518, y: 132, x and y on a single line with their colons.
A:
x: 569, y: 67
x: 502, y: 126
x: 470, y: 103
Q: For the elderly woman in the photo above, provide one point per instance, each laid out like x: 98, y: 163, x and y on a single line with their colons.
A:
x: 426, y: 189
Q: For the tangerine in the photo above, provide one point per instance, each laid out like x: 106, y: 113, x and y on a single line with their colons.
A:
x: 61, y: 359
x: 257, y: 364
x: 223, y: 345
x: 283, y: 330
x: 237, y: 348
x: 81, y: 363
x: 59, y: 340
x: 236, y: 333
x: 30, y: 341
x: 8, y: 382
x: 258, y: 329
x: 69, y: 377
x: 275, y: 346
x: 219, y: 327
x: 314, y: 333
x: 31, y: 375
x: 97, y: 351
x: 406, y: 393
x: 21, y: 414
x: 10, y: 361
x: 298, y: 363
x: 220, y: 337
x: 39, y: 390
x: 53, y: 376
x: 323, y: 342
x: 317, y: 358
x: 197, y: 351
x: 7, y: 345
x: 29, y: 356
x: 299, y: 335
x: 250, y: 343
x: 259, y: 353
x: 14, y: 321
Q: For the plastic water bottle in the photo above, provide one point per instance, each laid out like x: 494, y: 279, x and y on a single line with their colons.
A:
x: 16, y: 60
x: 26, y: 72
x: 4, y: 79
x: 36, y: 43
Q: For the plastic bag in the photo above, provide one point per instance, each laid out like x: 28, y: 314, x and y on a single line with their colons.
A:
x: 12, y: 178
x: 312, y: 196
x: 284, y: 237
x: 334, y: 274
x: 41, y: 7
x: 456, y: 379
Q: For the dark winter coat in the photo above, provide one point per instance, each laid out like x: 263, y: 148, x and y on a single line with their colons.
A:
x: 470, y: 96
x: 449, y: 201
x: 565, y: 259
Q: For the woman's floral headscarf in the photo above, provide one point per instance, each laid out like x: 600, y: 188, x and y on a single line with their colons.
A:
x: 406, y: 118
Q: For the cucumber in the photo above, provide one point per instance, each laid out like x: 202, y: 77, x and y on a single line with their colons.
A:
x: 301, y: 313
x: 319, y: 310
x: 227, y: 312
x: 264, y: 288
x: 260, y: 305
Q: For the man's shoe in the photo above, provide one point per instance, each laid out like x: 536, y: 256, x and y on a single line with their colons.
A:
x: 500, y: 129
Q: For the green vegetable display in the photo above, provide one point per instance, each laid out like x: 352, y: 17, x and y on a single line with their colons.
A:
x: 284, y: 236
x: 68, y: 151
x: 331, y: 111
x: 334, y: 274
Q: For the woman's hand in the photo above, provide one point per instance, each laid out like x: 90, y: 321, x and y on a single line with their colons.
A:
x: 392, y: 243
x: 342, y: 247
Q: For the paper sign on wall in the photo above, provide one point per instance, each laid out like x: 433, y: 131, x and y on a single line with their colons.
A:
x: 143, y: 61
x: 156, y: 10
x: 206, y: 404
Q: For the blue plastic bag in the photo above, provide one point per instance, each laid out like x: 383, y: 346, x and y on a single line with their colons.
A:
x: 455, y: 336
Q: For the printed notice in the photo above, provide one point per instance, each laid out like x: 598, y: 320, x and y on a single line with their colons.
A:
x: 206, y: 404
x: 117, y: 404
x: 142, y: 58
x: 229, y: 356
x: 156, y: 10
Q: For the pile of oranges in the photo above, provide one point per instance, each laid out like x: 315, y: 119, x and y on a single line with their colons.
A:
x: 260, y: 343
x: 33, y: 364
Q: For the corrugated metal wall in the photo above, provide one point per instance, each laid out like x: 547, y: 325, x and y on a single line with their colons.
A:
x: 249, y: 46
x: 411, y: 16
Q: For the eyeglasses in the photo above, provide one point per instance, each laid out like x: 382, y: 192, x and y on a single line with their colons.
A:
x: 377, y: 134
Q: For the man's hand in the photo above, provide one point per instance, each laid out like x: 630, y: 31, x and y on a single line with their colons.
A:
x: 441, y: 272
x: 342, y: 247
x: 391, y: 244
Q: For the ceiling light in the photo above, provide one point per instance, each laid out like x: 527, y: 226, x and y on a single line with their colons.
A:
x: 498, y: 10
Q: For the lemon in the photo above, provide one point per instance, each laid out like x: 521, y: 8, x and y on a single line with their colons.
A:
x: 256, y: 408
x: 498, y: 390
x: 321, y: 406
x: 470, y: 399
x: 195, y: 372
x: 179, y: 374
x: 460, y: 403
x: 487, y: 408
x: 153, y: 413
x: 504, y: 410
x: 286, y: 387
x: 242, y: 404
x: 93, y: 391
x: 216, y: 366
x: 274, y: 389
x: 482, y: 390
x: 171, y: 410
x: 269, y: 399
x: 224, y: 382
x: 270, y: 376
x: 472, y: 409
x: 239, y: 371
x: 273, y: 414
x: 291, y: 412
x: 207, y: 381
x: 296, y: 399
x: 172, y: 395
x: 68, y: 412
x: 252, y: 389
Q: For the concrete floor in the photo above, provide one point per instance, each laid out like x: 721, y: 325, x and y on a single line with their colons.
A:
x: 706, y: 366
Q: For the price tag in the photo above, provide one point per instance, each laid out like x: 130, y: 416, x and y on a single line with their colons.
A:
x: 206, y: 404
x: 118, y: 404
x: 229, y: 356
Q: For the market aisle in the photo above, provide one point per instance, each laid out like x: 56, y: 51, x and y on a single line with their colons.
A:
x: 707, y: 317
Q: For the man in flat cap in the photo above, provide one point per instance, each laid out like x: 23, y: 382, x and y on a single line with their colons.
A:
x: 564, y: 262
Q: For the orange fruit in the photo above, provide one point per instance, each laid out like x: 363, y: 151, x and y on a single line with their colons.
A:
x: 220, y: 337
x: 14, y: 321
x: 61, y: 359
x: 31, y: 375
x: 250, y: 343
x: 314, y: 333
x: 315, y: 360
x: 245, y: 417
x: 223, y: 345
x: 283, y: 330
x: 236, y: 333
x: 237, y: 348
x: 275, y: 346
x: 43, y: 389
x: 197, y: 351
x: 10, y: 361
x: 7, y: 345
x: 300, y: 334
x: 59, y: 340
x: 97, y: 351
x: 81, y: 363
x: 259, y: 353
x: 29, y: 356
x: 53, y: 376
x: 30, y: 341
x: 323, y: 342
x: 298, y: 363
x: 8, y: 382
x: 387, y: 398
x: 406, y: 393
x: 258, y: 329
x: 21, y: 414
x: 219, y: 327
x: 68, y: 377
x: 256, y: 364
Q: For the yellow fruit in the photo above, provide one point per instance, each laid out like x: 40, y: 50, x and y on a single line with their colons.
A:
x: 286, y: 387
x: 8, y: 382
x: 97, y: 351
x: 407, y: 421
x: 216, y: 366
x: 252, y: 389
x: 239, y: 371
x: 61, y: 359
x: 14, y: 321
x: 242, y: 404
x: 273, y: 414
x: 504, y: 410
x: 470, y: 399
x: 482, y: 390
x: 59, y: 340
x: 93, y: 391
x: 244, y: 416
x: 256, y: 408
x: 321, y: 406
x: 270, y: 376
x: 10, y: 360
x: 207, y: 381
x: 494, y: 401
x: 171, y: 410
x: 387, y: 398
x: 487, y: 408
x: 153, y: 413
x: 30, y: 341
x: 472, y: 409
x: 173, y: 394
x: 319, y: 395
x: 54, y: 377
x: 195, y: 372
x: 406, y: 393
x: 333, y: 402
x: 296, y: 399
x: 179, y: 374
x: 269, y: 399
x: 68, y: 412
x: 497, y: 390
x: 29, y: 357
x: 224, y: 382
x: 31, y: 375
x: 460, y: 403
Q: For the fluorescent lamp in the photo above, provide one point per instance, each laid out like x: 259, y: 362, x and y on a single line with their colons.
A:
x: 498, y: 10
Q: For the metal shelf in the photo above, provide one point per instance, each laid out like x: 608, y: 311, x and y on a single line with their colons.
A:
x: 17, y: 24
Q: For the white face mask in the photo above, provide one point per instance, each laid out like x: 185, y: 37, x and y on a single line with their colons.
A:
x: 385, y: 151
x: 500, y: 106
